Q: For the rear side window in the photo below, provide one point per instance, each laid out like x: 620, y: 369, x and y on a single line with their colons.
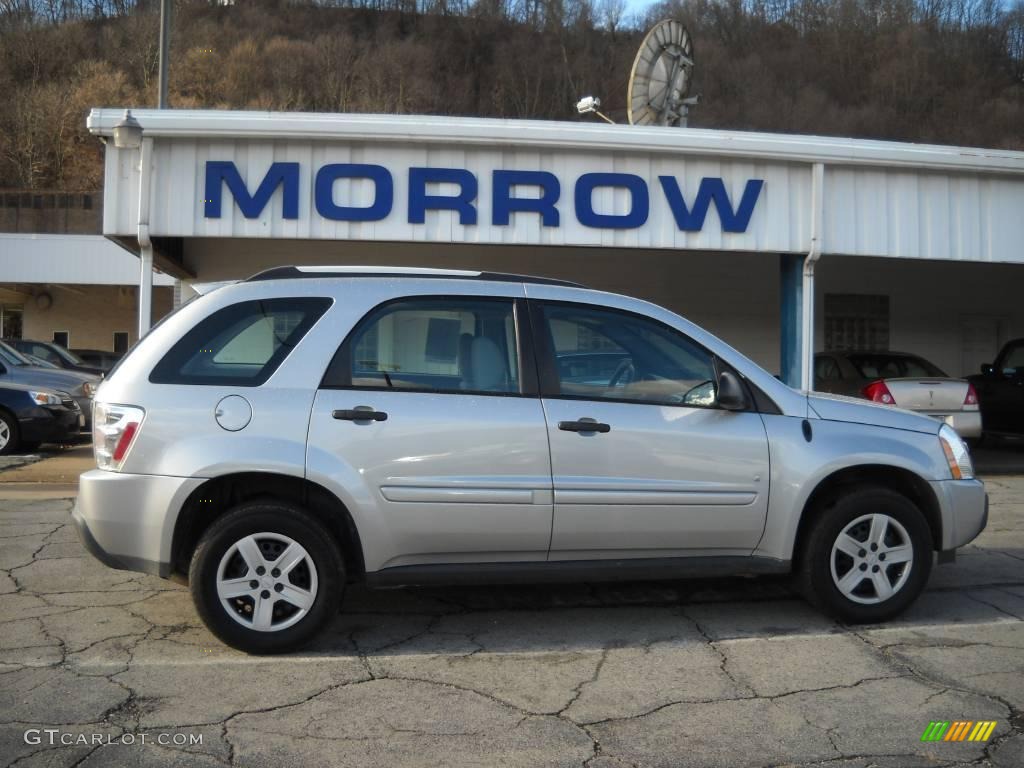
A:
x: 457, y: 344
x: 241, y: 345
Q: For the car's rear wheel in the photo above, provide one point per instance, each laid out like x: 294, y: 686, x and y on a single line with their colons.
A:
x: 266, y: 577
x: 867, y: 556
x: 8, y: 434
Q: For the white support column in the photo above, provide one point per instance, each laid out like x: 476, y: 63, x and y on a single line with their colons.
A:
x: 145, y: 244
x: 807, y: 291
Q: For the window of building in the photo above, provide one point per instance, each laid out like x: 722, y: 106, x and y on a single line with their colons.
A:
x: 856, y: 321
x: 120, y: 342
x: 62, y: 338
x: 10, y: 321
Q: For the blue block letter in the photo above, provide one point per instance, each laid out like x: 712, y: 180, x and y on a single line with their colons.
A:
x: 420, y: 201
x: 711, y: 189
x: 219, y: 173
x: 637, y: 216
x: 324, y: 192
x: 505, y: 205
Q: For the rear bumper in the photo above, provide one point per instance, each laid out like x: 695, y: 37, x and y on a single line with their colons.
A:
x: 964, y: 508
x: 127, y: 521
x: 967, y: 424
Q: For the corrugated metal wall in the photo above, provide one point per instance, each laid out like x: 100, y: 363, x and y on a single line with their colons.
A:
x: 869, y: 211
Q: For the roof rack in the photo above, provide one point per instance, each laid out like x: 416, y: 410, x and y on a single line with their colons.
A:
x: 293, y: 272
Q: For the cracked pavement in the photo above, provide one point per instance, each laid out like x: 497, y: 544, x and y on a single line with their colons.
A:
x: 732, y: 673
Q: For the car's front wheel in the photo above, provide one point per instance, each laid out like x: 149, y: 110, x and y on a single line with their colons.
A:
x: 8, y: 434
x: 867, y: 557
x: 266, y: 577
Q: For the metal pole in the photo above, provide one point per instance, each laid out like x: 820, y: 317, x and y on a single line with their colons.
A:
x: 807, y: 289
x: 145, y: 289
x: 145, y: 243
x: 165, y: 44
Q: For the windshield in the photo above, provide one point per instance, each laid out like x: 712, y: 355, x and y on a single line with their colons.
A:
x: 68, y: 355
x: 11, y: 356
x: 882, y: 366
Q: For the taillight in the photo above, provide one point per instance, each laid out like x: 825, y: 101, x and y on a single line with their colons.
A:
x: 877, y: 392
x: 972, y: 396
x: 114, y: 428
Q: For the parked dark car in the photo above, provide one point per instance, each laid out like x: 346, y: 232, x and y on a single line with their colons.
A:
x: 55, y: 354
x: 15, y: 368
x: 1000, y: 388
x: 99, y: 358
x: 30, y: 416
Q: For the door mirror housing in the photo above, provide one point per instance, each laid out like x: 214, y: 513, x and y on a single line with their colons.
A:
x: 731, y: 394
x: 987, y: 369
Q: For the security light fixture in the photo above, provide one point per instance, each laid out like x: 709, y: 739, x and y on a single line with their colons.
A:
x: 128, y: 132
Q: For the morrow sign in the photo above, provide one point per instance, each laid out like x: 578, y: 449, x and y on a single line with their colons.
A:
x: 460, y: 194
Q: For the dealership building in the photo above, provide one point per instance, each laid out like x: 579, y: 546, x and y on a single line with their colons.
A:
x: 80, y: 291
x: 779, y: 244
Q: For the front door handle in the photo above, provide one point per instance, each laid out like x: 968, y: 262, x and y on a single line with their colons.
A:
x: 584, y: 425
x: 360, y: 413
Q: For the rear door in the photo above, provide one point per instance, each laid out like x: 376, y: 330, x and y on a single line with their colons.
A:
x: 644, y: 462
x: 430, y: 406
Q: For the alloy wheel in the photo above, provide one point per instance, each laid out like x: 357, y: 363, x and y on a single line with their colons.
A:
x: 871, y: 559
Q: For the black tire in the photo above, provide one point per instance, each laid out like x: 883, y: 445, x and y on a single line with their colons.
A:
x: 275, y: 518
x: 11, y: 425
x: 815, y: 571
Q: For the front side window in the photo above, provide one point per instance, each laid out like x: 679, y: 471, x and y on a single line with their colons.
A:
x: 1013, y: 362
x: 433, y: 345
x: 606, y: 355
x: 241, y: 345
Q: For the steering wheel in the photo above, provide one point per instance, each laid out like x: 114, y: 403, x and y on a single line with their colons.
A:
x: 624, y: 367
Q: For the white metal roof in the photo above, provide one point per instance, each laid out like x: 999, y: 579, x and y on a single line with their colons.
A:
x: 69, y: 260
x: 589, y: 136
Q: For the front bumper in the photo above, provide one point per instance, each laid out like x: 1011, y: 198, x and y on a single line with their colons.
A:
x: 51, y: 424
x: 964, y: 508
x: 127, y: 521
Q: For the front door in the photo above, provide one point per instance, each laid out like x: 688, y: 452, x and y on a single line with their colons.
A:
x: 644, y: 462
x: 426, y: 409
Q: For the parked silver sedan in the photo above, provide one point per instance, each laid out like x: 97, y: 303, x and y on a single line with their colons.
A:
x: 904, y: 381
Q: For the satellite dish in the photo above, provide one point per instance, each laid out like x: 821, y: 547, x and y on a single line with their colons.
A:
x: 662, y: 74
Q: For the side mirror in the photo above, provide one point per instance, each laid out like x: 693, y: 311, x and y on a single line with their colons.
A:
x: 731, y: 394
x: 987, y: 369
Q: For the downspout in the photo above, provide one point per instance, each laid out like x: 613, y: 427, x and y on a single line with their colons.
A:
x: 145, y: 244
x: 807, y: 290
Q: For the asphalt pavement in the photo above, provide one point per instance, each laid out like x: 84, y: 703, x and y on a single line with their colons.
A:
x: 111, y: 668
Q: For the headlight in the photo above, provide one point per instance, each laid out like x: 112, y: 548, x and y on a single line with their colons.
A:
x: 957, y: 455
x: 45, y: 398
x: 89, y: 389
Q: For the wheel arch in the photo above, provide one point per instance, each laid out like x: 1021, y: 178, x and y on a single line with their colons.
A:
x: 902, y: 481
x: 217, y: 496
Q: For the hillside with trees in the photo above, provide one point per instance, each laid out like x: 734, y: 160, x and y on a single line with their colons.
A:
x: 942, y: 71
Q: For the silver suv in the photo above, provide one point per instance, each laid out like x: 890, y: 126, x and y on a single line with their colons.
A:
x: 281, y: 437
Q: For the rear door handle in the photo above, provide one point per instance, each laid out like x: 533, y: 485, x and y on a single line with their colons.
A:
x: 360, y: 413
x: 584, y: 425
